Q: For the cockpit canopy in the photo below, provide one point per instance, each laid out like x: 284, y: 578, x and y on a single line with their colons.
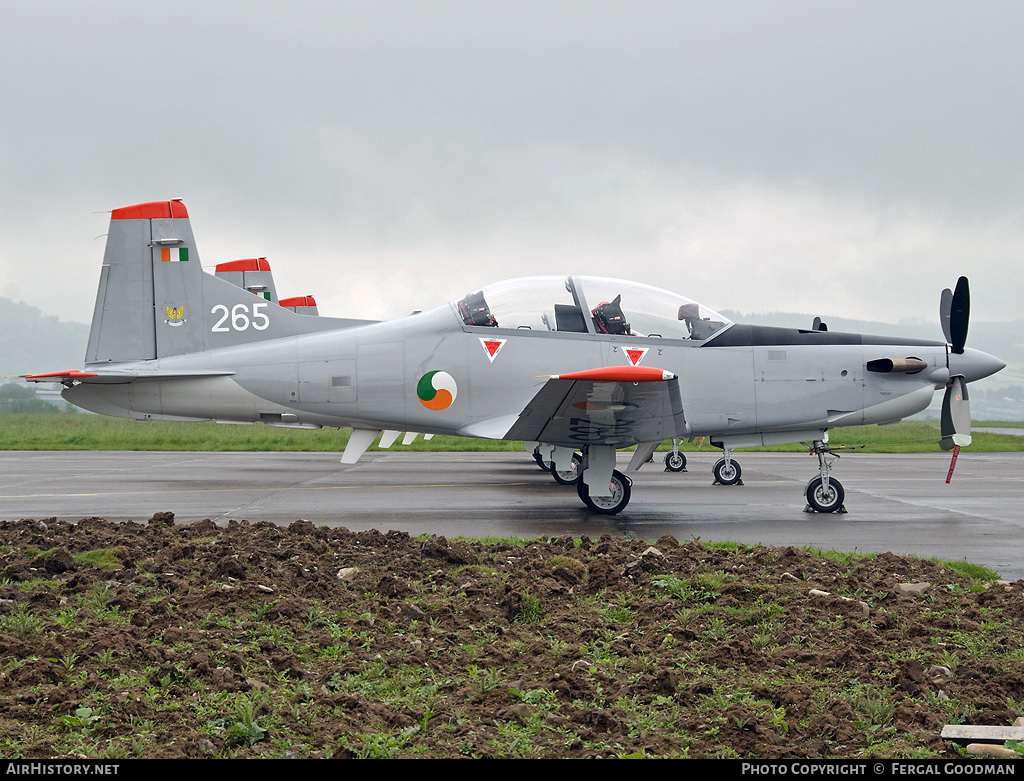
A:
x: 592, y: 305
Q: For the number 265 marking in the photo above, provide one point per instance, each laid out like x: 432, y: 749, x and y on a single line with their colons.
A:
x: 238, y: 318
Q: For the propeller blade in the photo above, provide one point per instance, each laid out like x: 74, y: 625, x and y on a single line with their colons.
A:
x: 956, y: 415
x: 945, y: 307
x: 959, y: 315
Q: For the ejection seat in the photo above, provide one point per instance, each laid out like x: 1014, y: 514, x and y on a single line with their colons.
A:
x: 609, y: 319
x: 474, y: 310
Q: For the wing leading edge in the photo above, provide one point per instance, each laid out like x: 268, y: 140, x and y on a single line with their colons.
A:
x: 618, y: 406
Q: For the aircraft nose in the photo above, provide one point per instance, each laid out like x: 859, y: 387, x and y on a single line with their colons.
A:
x: 974, y: 364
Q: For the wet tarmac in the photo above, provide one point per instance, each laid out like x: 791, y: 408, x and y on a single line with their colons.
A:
x: 898, y: 503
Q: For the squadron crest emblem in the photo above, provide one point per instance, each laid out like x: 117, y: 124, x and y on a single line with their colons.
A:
x: 176, y: 315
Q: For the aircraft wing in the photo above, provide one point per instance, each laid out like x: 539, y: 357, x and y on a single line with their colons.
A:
x: 618, y: 405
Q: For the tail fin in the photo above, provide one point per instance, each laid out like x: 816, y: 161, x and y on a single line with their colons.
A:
x: 155, y: 300
x: 303, y: 305
x: 253, y: 274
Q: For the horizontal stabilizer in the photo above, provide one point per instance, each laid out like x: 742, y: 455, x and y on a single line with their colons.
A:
x: 115, y: 376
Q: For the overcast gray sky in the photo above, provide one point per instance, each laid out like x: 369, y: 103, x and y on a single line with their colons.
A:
x: 844, y: 158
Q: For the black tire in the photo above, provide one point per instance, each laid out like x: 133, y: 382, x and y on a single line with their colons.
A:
x: 730, y: 475
x: 570, y: 477
x: 675, y: 461
x: 607, y: 505
x: 822, y: 501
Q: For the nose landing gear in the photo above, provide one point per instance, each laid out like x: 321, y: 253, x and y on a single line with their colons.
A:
x: 674, y: 460
x: 824, y: 494
x: 727, y: 471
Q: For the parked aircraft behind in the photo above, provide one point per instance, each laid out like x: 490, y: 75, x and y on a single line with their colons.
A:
x: 563, y: 363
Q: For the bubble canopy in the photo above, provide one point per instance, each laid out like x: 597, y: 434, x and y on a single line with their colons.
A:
x: 594, y: 305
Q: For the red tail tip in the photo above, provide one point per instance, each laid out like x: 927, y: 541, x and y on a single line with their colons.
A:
x: 246, y: 264
x: 153, y: 210
x: 298, y: 301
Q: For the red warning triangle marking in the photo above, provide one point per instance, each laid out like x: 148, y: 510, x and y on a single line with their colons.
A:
x: 492, y: 347
x: 635, y: 355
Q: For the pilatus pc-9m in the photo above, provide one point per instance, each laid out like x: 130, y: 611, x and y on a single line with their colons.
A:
x: 574, y: 366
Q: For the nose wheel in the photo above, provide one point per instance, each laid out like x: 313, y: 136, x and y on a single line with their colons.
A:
x: 674, y: 460
x: 825, y: 497
x: 727, y: 471
x: 824, y: 494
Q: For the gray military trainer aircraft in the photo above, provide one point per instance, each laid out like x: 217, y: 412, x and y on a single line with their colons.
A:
x: 574, y: 366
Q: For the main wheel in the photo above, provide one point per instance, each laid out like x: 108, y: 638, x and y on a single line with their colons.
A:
x: 541, y: 462
x: 727, y: 473
x: 675, y: 461
x: 607, y: 505
x: 570, y: 476
x: 822, y: 500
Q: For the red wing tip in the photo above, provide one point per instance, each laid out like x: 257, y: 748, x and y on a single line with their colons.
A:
x: 69, y: 373
x: 152, y: 210
x: 619, y: 374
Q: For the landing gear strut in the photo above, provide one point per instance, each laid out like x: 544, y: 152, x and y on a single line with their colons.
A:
x: 824, y: 494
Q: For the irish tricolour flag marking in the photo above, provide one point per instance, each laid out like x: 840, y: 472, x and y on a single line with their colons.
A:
x: 173, y: 254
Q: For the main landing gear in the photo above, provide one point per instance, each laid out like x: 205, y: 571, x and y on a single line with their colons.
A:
x: 542, y: 462
x: 618, y: 498
x: 600, y: 486
x: 547, y: 459
x: 824, y: 494
x: 567, y: 476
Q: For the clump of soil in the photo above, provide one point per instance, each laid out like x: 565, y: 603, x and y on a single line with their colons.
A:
x: 165, y: 640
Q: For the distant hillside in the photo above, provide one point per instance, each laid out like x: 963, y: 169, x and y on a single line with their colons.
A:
x: 31, y: 342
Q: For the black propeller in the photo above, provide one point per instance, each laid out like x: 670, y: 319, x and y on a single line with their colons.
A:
x: 956, y: 415
x: 955, y: 313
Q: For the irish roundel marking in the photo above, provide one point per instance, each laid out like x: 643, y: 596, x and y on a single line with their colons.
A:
x: 436, y: 390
